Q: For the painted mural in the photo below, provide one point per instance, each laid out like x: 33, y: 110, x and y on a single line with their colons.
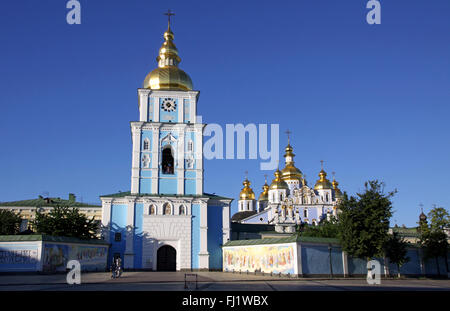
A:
x: 260, y: 258
x: 22, y: 258
x: 91, y: 258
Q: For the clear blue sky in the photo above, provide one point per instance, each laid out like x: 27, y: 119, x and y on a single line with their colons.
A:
x: 371, y: 100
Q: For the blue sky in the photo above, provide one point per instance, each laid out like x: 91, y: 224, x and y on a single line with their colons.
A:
x: 372, y: 101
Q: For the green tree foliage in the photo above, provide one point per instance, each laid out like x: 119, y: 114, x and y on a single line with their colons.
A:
x: 433, y: 238
x: 395, y: 249
x: 364, y: 221
x: 325, y: 229
x: 65, y: 221
x: 9, y: 222
x: 440, y: 218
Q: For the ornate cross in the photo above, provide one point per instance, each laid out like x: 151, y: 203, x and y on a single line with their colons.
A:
x: 169, y: 14
x: 288, y: 133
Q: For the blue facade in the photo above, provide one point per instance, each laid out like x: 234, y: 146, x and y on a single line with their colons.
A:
x: 195, y: 236
x: 138, y: 234
x: 118, y: 226
x: 215, y: 237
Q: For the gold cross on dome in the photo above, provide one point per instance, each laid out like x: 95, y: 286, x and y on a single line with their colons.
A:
x: 169, y: 14
x: 246, y: 175
x: 321, y: 163
x: 288, y: 133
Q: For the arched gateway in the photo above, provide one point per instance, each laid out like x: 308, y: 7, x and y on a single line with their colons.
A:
x: 167, y: 258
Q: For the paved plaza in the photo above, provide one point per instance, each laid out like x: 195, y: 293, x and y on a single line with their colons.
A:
x: 209, y: 281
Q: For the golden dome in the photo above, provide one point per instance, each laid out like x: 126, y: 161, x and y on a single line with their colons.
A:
x: 264, y: 196
x: 246, y: 192
x: 278, y: 182
x: 168, y: 76
x: 290, y: 172
x: 337, y: 191
x: 323, y: 182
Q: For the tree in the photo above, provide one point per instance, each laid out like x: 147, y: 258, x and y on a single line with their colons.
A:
x: 433, y: 238
x: 66, y: 221
x: 9, y: 222
x: 325, y: 229
x: 364, y: 221
x: 395, y: 250
x: 440, y: 218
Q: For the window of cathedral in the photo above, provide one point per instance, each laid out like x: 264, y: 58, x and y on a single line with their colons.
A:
x: 190, y: 146
x: 167, y: 209
x: 152, y: 210
x: 117, y: 237
x: 305, y: 213
x: 146, y: 144
x: 182, y: 210
x: 167, y: 161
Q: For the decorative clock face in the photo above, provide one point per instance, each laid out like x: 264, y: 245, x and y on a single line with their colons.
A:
x: 168, y: 104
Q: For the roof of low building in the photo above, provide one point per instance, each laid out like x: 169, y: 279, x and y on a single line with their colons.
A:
x: 48, y: 202
x: 242, y: 215
x: 282, y: 240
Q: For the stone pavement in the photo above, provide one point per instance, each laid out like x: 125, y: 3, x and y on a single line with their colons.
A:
x: 207, y: 281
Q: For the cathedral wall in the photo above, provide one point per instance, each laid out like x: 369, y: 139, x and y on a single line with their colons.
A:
x: 215, y: 236
x: 170, y: 230
x: 118, y: 225
x: 195, y: 237
x: 138, y: 234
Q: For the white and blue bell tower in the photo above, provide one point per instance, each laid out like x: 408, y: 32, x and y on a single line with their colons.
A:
x: 166, y: 221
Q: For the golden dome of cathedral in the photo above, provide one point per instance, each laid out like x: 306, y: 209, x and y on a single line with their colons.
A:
x: 290, y: 172
x: 246, y: 192
x: 168, y: 76
x: 323, y: 182
x: 264, y: 196
x: 278, y: 182
x: 337, y: 191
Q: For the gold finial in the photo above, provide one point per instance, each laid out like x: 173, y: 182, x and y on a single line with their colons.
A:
x: 333, y: 173
x: 246, y: 175
x: 265, y: 178
x: 321, y: 164
x: 288, y: 133
x: 169, y: 14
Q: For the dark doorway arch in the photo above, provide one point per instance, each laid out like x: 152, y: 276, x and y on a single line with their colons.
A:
x: 167, y: 258
x: 167, y: 160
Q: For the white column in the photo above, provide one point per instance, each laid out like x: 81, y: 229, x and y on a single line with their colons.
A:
x: 106, y: 218
x: 129, y: 251
x: 136, y: 162
x: 226, y: 222
x: 143, y: 105
x: 180, y: 153
x: 299, y: 260
x: 198, y: 134
x: 155, y: 160
x: 203, y: 256
x: 181, y: 110
x: 156, y: 108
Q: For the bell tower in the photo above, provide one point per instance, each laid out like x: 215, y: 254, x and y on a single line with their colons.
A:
x: 167, y: 156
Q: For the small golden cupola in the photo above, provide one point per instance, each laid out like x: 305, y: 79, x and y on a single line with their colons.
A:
x: 290, y: 172
x: 246, y: 192
x: 323, y: 182
x: 278, y: 182
x: 337, y: 191
x: 168, y: 76
x: 264, y: 196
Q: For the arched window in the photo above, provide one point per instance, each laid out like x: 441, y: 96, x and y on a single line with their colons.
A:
x: 167, y: 210
x: 167, y: 160
x: 305, y: 213
x: 152, y: 210
x: 146, y: 144
x: 326, y: 197
x: 182, y: 210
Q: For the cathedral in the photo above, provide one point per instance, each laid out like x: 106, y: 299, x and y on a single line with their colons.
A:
x: 166, y: 222
x: 288, y: 201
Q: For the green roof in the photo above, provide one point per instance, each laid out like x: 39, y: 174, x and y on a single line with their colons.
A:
x: 281, y: 240
x: 48, y: 238
x: 128, y: 193
x: 48, y: 202
x: 406, y: 232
